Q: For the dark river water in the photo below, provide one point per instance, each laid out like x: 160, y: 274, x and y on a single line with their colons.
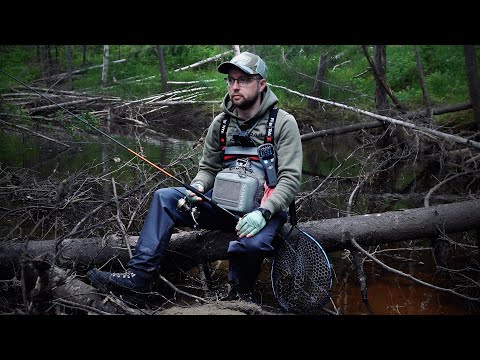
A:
x: 388, y: 294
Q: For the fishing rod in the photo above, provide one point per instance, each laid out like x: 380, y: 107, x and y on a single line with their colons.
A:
x: 186, y: 186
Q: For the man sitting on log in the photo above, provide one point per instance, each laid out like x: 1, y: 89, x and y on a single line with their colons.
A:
x: 251, y: 167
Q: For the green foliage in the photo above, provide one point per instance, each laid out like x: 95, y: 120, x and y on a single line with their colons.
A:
x: 19, y: 61
x: 347, y: 80
x: 74, y: 126
x: 405, y: 180
x: 20, y: 114
x: 401, y: 67
x: 403, y: 204
x: 177, y: 56
x: 461, y: 120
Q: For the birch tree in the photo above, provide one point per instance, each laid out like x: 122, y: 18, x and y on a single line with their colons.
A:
x: 106, y: 51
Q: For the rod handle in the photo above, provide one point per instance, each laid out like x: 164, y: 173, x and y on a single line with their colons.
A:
x: 207, y: 199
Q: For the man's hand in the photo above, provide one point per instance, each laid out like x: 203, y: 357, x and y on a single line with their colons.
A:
x: 191, y: 197
x: 250, y: 224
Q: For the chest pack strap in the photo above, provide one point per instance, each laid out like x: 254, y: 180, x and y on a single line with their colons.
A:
x: 223, y: 131
x: 271, y: 125
x: 269, y: 132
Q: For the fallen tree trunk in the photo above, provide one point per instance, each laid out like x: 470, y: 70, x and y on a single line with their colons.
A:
x: 48, y: 289
x: 58, y: 77
x: 440, y: 110
x: 394, y: 226
x: 34, y: 133
x: 377, y: 123
x: 218, y: 56
x: 442, y: 135
x: 188, y: 249
x: 341, y: 130
x: 70, y: 291
x: 55, y: 106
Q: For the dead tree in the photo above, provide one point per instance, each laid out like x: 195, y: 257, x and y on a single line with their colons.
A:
x: 381, y: 101
x: 46, y: 62
x: 473, y: 81
x: 84, y: 55
x: 380, y: 76
x: 426, y: 99
x: 319, y: 77
x: 69, y: 67
x: 163, y: 68
x: 106, y: 61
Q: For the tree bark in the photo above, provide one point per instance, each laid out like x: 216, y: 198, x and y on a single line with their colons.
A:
x: 441, y: 110
x: 342, y: 130
x: 106, y: 49
x: 76, y: 291
x: 37, y: 54
x: 317, y: 86
x: 55, y: 106
x: 56, y: 61
x: 46, y: 63
x: 84, y: 55
x: 187, y: 249
x: 69, y: 67
x: 381, y: 79
x: 58, y: 77
x: 34, y: 133
x: 163, y: 69
x: 381, y: 100
x: 473, y: 81
x: 218, y: 56
x: 426, y: 99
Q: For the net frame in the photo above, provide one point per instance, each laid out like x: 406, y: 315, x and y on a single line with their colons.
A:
x: 310, y: 267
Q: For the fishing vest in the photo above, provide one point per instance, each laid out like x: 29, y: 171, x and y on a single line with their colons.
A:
x: 231, y: 153
x: 239, y: 187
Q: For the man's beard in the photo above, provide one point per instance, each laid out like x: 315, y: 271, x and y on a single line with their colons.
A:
x: 247, y: 103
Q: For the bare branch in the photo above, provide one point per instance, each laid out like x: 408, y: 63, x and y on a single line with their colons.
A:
x: 414, y: 127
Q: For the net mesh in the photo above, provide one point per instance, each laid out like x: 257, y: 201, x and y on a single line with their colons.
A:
x: 301, y: 274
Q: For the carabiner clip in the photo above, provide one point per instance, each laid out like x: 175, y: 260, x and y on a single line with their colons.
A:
x: 194, y: 212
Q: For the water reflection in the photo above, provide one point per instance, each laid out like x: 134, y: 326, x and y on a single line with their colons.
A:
x: 47, y: 158
x: 391, y: 294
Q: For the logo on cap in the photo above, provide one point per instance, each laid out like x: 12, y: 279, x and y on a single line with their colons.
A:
x: 247, y: 62
x: 241, y: 59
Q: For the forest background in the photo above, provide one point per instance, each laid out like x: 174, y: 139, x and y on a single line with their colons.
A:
x: 175, y: 90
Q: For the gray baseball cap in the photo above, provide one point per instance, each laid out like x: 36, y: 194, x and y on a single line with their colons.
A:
x: 247, y: 62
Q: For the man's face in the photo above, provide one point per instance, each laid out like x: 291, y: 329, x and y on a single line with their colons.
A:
x: 244, y: 93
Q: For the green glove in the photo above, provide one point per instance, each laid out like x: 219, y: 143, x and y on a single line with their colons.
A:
x: 191, y: 197
x: 250, y: 224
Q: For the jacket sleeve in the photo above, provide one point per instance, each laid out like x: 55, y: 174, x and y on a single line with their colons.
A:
x: 289, y: 158
x: 211, y: 161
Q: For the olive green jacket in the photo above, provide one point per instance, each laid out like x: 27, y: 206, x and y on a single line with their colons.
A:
x: 287, y: 143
